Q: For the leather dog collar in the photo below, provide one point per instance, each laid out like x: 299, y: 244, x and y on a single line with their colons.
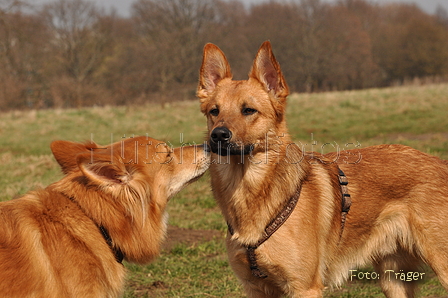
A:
x: 119, y: 256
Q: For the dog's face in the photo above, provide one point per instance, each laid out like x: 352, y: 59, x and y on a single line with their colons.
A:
x: 242, y: 116
x: 134, y: 163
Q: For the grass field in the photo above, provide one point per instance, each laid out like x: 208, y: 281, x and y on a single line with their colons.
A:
x: 197, y: 266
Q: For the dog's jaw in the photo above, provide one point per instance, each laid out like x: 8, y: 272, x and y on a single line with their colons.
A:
x: 226, y: 149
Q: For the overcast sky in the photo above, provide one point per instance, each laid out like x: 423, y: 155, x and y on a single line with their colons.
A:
x: 122, y: 6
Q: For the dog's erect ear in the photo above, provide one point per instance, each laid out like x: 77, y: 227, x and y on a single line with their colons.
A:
x: 65, y: 153
x: 267, y: 70
x: 214, y: 68
x: 102, y: 170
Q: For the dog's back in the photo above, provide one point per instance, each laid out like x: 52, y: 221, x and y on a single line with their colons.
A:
x: 48, y: 247
x: 399, y: 208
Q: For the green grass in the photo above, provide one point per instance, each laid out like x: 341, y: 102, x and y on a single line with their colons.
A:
x: 186, y: 271
x: 415, y: 116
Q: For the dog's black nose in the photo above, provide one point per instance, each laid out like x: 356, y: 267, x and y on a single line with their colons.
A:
x: 221, y: 134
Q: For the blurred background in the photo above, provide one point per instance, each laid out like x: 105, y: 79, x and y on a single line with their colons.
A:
x: 74, y: 53
x: 104, y: 70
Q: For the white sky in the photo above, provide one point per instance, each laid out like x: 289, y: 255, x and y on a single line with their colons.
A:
x: 123, y: 6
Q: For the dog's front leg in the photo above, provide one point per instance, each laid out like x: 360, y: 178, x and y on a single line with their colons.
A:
x: 254, y: 287
x: 257, y: 288
x: 265, y: 291
x: 279, y: 283
x: 311, y: 293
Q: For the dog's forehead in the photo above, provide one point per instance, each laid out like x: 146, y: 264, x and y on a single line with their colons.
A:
x: 138, y: 150
x: 135, y: 144
x: 131, y: 141
x: 239, y: 93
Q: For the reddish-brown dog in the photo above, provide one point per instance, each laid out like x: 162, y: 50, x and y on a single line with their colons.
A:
x: 68, y: 239
x: 399, y: 212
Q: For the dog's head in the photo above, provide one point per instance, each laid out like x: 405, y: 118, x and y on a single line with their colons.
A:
x: 125, y: 186
x: 242, y: 116
x: 138, y: 160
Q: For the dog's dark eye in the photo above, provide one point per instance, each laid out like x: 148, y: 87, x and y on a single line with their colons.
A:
x: 214, y: 112
x: 248, y: 111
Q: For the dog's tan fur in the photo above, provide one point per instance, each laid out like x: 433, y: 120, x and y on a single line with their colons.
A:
x: 50, y: 242
x: 399, y: 212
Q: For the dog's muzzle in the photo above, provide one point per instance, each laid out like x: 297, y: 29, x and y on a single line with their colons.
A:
x: 221, y: 143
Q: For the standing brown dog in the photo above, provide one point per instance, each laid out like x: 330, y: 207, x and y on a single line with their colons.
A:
x: 68, y: 239
x: 399, y: 213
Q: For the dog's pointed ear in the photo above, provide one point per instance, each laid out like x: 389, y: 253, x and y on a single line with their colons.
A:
x: 102, y: 169
x: 215, y: 68
x: 267, y: 71
x: 65, y: 153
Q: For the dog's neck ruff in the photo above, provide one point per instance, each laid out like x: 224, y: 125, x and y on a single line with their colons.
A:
x: 281, y: 218
x: 119, y: 255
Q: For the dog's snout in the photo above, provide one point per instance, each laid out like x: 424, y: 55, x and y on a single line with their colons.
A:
x: 221, y: 134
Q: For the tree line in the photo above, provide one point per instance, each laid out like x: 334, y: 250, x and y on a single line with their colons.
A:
x: 70, y: 53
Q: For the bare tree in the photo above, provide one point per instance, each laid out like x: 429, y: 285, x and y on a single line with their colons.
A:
x: 9, y: 6
x: 73, y: 54
x: 409, y: 43
x: 7, y: 33
x: 81, y: 40
x: 442, y: 15
x: 175, y: 31
x: 22, y: 45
